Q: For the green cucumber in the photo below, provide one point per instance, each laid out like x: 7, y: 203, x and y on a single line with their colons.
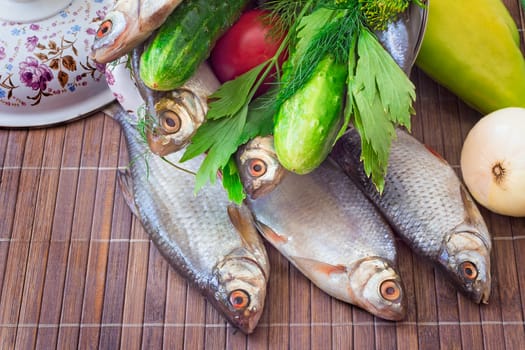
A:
x: 185, y: 40
x: 307, y: 123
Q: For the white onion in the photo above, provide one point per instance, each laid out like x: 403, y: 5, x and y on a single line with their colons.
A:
x: 493, y: 161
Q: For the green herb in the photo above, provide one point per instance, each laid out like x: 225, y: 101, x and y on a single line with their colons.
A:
x: 221, y: 137
x: 223, y: 105
x: 285, y: 13
x: 231, y: 181
x: 324, y: 31
x: 227, y: 124
x: 379, y: 13
x: 379, y: 94
x: 379, y: 97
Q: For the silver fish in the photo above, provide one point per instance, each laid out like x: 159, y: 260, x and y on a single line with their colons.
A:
x: 334, y: 235
x: 129, y: 23
x: 429, y: 207
x: 259, y: 168
x: 212, y: 243
x: 175, y: 115
x: 403, y: 37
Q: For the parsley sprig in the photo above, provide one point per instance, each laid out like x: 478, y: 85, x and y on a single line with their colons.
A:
x: 230, y: 124
x: 379, y: 94
x: 379, y: 98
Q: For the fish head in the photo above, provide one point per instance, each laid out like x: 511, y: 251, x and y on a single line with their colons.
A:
x: 241, y: 290
x: 376, y: 287
x: 465, y: 252
x: 465, y: 255
x: 115, y: 33
x: 178, y: 115
x: 259, y: 168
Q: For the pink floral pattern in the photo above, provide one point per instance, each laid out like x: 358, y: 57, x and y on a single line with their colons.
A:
x: 31, y: 43
x: 36, y: 76
x: 51, y: 57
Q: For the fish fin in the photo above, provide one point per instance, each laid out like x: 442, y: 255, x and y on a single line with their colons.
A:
x: 318, y: 266
x: 112, y: 109
x: 472, y: 213
x: 436, y: 154
x: 126, y: 186
x: 242, y: 220
x: 270, y: 235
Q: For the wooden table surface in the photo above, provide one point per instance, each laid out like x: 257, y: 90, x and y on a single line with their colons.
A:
x: 78, y: 271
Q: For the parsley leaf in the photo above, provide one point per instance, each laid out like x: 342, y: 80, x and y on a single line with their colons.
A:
x: 308, y: 28
x: 234, y: 94
x: 220, y: 138
x: 260, y: 117
x: 376, y: 67
x: 232, y: 181
x: 381, y: 97
x: 379, y: 94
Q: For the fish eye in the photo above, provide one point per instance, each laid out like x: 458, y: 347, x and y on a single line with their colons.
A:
x: 390, y: 290
x: 170, y: 121
x: 239, y: 299
x: 257, y: 167
x: 110, y: 29
x: 104, y: 28
x: 468, y: 270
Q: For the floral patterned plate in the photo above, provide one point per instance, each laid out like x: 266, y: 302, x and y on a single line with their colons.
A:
x: 46, y: 74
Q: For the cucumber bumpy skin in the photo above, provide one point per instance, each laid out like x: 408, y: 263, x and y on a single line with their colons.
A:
x: 185, y: 40
x: 307, y: 124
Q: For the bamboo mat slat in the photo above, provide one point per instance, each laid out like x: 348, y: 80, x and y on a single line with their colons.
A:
x: 77, y: 269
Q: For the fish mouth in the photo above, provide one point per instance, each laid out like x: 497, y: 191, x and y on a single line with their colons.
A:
x: 257, y: 191
x: 481, y: 297
x: 465, y: 259
x: 160, y: 144
x: 367, y: 279
x: 252, y: 282
x: 484, y: 297
x: 247, y: 324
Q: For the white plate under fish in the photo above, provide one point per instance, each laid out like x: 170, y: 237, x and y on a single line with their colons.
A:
x: 46, y: 74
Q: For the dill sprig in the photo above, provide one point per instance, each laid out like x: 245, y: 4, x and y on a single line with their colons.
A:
x: 286, y: 12
x: 376, y: 86
x: 379, y: 13
x: 379, y: 94
x: 330, y: 32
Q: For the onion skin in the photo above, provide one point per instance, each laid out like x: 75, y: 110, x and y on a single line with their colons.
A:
x: 493, y: 161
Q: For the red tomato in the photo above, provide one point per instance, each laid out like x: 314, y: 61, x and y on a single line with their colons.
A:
x: 245, y: 45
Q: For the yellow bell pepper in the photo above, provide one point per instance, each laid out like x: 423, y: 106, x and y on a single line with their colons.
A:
x: 472, y: 48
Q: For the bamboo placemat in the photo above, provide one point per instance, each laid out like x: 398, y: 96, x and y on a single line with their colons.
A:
x: 78, y: 271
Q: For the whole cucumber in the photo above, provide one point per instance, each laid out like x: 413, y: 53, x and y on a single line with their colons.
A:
x: 185, y: 40
x: 471, y: 48
x: 307, y: 123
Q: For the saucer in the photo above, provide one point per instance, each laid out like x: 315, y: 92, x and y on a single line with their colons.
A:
x: 46, y: 74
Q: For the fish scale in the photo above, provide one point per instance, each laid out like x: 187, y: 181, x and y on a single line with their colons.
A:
x: 209, y: 241
x: 428, y: 206
x: 402, y: 204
